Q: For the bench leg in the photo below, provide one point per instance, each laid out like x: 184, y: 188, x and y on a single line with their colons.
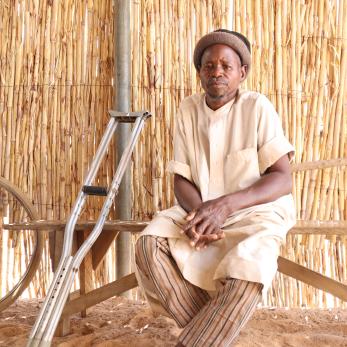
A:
x: 86, y: 273
x: 312, y: 278
x: 63, y: 328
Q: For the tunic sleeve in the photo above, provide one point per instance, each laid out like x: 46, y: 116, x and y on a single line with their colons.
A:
x: 180, y: 165
x: 272, y: 144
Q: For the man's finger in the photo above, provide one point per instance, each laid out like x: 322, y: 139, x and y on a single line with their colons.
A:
x: 201, y: 243
x: 211, y: 237
x: 191, y: 215
x: 205, y: 240
x: 197, y: 219
x: 202, y: 227
x: 211, y: 230
x: 192, y: 235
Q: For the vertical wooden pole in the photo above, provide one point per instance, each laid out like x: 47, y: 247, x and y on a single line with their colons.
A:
x: 122, y: 103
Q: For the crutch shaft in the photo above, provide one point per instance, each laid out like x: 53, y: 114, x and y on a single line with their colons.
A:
x: 76, y: 210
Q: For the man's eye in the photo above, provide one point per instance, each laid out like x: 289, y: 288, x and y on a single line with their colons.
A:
x: 208, y: 66
x: 227, y: 67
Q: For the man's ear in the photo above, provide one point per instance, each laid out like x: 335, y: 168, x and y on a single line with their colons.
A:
x: 198, y: 72
x: 244, y: 70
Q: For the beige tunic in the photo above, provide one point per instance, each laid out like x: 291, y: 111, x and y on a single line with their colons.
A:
x: 224, y: 151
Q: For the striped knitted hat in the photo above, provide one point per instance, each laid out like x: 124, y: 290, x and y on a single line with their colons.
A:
x: 233, y: 39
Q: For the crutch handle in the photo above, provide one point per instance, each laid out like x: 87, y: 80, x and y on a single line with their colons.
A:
x: 93, y: 190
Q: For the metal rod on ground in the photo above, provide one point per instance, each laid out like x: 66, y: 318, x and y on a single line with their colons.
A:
x: 122, y: 103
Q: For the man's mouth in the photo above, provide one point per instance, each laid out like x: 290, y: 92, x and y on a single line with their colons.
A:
x: 217, y: 83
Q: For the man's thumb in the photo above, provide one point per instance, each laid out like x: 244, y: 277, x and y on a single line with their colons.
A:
x: 191, y: 215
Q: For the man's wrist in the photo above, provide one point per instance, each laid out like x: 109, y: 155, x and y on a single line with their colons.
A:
x: 189, y: 206
x: 231, y: 203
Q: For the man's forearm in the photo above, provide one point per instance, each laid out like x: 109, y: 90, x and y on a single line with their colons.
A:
x: 269, y: 188
x: 187, y: 194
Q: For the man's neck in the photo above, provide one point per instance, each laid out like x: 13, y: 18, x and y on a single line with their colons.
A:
x: 216, y: 103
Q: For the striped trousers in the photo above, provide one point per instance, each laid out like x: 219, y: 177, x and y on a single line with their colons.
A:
x: 206, y: 321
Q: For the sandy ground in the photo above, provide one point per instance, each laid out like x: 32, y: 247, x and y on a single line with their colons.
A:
x: 119, y: 322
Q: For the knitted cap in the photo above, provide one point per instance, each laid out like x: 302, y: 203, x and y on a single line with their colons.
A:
x: 233, y: 39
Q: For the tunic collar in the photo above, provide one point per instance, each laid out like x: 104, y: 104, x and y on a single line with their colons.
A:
x: 220, y: 112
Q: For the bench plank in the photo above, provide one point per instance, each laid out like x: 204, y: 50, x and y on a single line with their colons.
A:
x: 301, y: 227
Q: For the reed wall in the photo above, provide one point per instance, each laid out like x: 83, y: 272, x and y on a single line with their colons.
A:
x: 56, y: 63
x: 56, y: 68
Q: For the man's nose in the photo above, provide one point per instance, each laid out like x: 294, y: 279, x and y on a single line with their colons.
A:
x: 217, y: 70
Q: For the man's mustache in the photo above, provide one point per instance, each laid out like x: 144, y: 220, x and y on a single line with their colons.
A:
x: 214, y: 80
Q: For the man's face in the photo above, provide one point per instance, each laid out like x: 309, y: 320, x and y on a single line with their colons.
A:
x: 221, y: 73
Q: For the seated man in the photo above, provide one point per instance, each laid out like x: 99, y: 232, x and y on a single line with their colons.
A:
x: 209, y: 258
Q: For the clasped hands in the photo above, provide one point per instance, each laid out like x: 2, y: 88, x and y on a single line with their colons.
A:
x: 204, y: 223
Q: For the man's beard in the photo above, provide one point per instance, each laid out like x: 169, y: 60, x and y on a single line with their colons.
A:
x: 216, y: 97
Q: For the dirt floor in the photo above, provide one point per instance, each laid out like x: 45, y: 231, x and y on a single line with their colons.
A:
x: 119, y: 322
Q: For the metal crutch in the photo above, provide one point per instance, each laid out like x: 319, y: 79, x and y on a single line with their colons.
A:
x: 48, y: 319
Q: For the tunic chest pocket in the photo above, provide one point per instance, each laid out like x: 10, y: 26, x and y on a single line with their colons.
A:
x: 241, y: 169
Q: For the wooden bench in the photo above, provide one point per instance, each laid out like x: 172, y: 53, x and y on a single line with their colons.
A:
x: 89, y: 298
